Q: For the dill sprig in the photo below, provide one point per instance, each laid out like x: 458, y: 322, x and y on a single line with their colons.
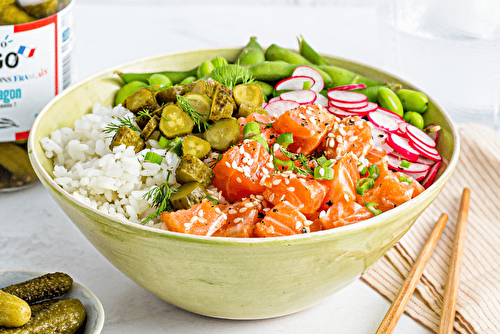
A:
x: 231, y: 75
x: 159, y: 197
x: 216, y: 160
x: 305, y: 169
x: 144, y: 112
x: 123, y: 121
x: 197, y: 117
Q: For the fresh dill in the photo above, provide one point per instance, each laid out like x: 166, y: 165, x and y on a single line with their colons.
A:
x: 305, y: 169
x: 215, y: 160
x: 198, y: 118
x: 124, y: 121
x: 144, y: 112
x: 159, y: 197
x: 231, y: 75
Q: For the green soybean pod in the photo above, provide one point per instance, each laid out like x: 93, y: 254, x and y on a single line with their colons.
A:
x: 127, y: 90
x: 387, y: 99
x: 340, y: 76
x: 267, y: 89
x: 188, y: 80
x: 310, y: 54
x: 271, y: 70
x: 414, y: 118
x: 174, y: 76
x: 161, y: 80
x: 204, y: 69
x: 371, y: 92
x: 413, y: 100
x: 219, y: 61
x: 251, y: 54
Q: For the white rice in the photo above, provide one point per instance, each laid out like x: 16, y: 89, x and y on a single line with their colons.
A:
x: 111, y: 181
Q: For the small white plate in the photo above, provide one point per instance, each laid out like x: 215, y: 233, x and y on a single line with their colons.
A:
x: 93, y: 307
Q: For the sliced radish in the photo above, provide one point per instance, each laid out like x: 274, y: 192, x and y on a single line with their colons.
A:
x: 294, y: 83
x: 276, y: 108
x: 402, y: 146
x: 368, y: 108
x: 319, y: 82
x: 379, y: 139
x: 340, y: 112
x: 301, y: 96
x: 414, y: 167
x: 401, y: 157
x: 276, y: 98
x: 264, y: 104
x: 321, y: 100
x: 383, y: 121
x: 347, y: 106
x: 415, y: 134
x: 431, y: 175
x: 424, y: 160
x: 349, y: 87
x: 428, y: 152
x: 432, y: 131
x: 344, y: 96
x: 402, y: 128
x: 390, y: 113
x: 417, y: 176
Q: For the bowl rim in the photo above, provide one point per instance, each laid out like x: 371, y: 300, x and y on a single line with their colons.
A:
x: 362, y: 225
x: 97, y: 302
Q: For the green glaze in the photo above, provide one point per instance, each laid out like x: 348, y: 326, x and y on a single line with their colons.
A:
x: 226, y: 277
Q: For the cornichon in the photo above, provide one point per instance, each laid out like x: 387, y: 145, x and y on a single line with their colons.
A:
x: 151, y: 126
x: 128, y: 137
x: 175, y: 122
x: 192, y: 169
x: 200, y: 103
x: 64, y: 316
x: 223, y: 103
x: 14, y: 312
x: 41, y: 288
x: 249, y: 94
x: 169, y: 95
x: 188, y: 195
x: 142, y: 99
x: 223, y: 133
x: 192, y: 145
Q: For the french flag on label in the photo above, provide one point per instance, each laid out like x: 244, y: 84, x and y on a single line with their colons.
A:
x: 26, y: 52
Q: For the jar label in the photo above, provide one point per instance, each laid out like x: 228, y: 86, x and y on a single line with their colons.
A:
x: 36, y: 64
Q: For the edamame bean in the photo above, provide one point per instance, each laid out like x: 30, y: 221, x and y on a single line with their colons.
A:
x: 174, y: 76
x: 387, y: 99
x: 341, y: 76
x: 204, y: 69
x: 219, y: 61
x: 371, y: 92
x: 127, y: 90
x: 161, y: 80
x: 310, y: 54
x: 271, y: 70
x: 413, y: 100
x: 414, y: 118
x: 252, y: 53
x: 188, y: 80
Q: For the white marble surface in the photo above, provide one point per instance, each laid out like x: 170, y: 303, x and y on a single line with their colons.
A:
x: 35, y: 234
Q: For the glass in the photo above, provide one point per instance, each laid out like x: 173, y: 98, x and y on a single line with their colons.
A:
x: 450, y: 49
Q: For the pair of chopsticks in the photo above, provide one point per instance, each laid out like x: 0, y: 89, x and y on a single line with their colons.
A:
x: 451, y: 291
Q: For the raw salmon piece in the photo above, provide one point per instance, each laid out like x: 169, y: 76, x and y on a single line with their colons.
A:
x: 241, y: 219
x: 379, y: 158
x: 309, y: 125
x: 266, y: 131
x: 343, y: 185
x: 353, y: 134
x: 343, y: 213
x: 283, y: 219
x: 201, y: 219
x: 305, y: 194
x: 240, y: 170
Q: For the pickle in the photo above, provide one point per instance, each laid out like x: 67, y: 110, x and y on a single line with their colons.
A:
x: 65, y: 316
x: 44, y: 9
x: 11, y: 14
x: 144, y: 119
x: 188, y: 195
x: 223, y: 134
x: 128, y: 137
x: 204, y: 88
x: 193, y: 169
x: 192, y: 145
x: 169, y: 95
x: 41, y: 288
x: 249, y: 94
x: 128, y: 89
x: 150, y: 127
x: 200, y: 103
x: 246, y: 109
x: 175, y: 122
x: 142, y: 99
x: 15, y: 166
x: 14, y: 312
x: 223, y: 103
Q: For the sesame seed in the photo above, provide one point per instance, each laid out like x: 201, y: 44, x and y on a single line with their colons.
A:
x: 276, y: 182
x: 237, y: 220
x: 200, y: 213
x: 266, y: 209
x: 276, y: 147
x: 234, y: 165
x: 194, y: 219
x: 322, y: 171
x: 202, y: 220
x: 243, y: 209
x: 290, y: 189
x: 331, y: 135
x: 342, y: 132
x: 250, y: 204
x: 338, y: 150
x: 218, y: 210
x: 259, y: 197
x: 287, y: 181
x: 232, y: 211
x: 331, y: 142
x: 308, y: 222
x: 228, y: 165
x: 346, y: 197
x: 312, y: 133
x: 298, y: 225
x: 353, y: 138
x: 322, y: 214
x: 271, y: 198
x: 308, y: 111
x: 238, y: 179
x: 340, y: 139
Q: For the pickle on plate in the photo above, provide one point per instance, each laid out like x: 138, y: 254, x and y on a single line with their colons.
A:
x: 193, y: 169
x: 198, y: 147
x: 200, y: 103
x: 206, y: 88
x: 188, y: 194
x: 14, y: 312
x: 143, y: 99
x: 41, y: 288
x: 175, y: 122
x: 128, y: 137
x: 249, y: 94
x: 223, y: 103
x: 151, y: 126
x: 223, y: 133
x: 169, y: 95
x: 246, y: 109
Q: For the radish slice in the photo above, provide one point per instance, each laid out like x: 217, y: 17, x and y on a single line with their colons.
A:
x: 417, y: 176
x: 383, y: 121
x: 319, y: 82
x: 414, y: 167
x: 341, y: 113
x: 294, y: 83
x: 277, y: 108
x: 432, y: 131
x: 368, y: 108
x: 321, y: 100
x: 349, y: 87
x: 402, y: 128
x: 428, y: 152
x: 431, y: 175
x: 301, y: 96
x: 424, y: 160
x: 379, y: 139
x: 390, y: 113
x: 347, y: 106
x: 400, y: 157
x: 276, y: 98
x: 415, y: 134
x: 264, y: 104
x: 343, y: 96
x: 402, y: 146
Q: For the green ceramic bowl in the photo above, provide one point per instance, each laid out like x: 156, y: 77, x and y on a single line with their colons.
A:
x: 226, y: 277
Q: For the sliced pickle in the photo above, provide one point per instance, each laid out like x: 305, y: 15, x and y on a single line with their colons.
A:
x: 223, y: 134
x: 175, y: 122
x: 188, y: 195
x: 193, y: 169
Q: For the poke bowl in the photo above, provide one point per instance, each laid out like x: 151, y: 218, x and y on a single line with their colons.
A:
x: 228, y: 277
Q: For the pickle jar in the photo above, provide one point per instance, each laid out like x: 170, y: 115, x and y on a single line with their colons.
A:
x: 36, y: 64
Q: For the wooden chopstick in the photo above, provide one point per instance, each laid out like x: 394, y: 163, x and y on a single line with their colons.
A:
x: 451, y: 290
x: 397, y: 308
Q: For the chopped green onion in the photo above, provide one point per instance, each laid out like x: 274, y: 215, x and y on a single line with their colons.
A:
x: 285, y: 139
x: 251, y: 129
x: 153, y: 157
x: 404, y: 179
x: 306, y: 85
x: 323, y: 173
x: 373, y: 172
x: 363, y: 185
x: 163, y: 142
x: 259, y: 139
x: 323, y: 161
x: 405, y: 164
x: 282, y: 164
x: 175, y: 145
x: 213, y: 200
x: 370, y: 206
